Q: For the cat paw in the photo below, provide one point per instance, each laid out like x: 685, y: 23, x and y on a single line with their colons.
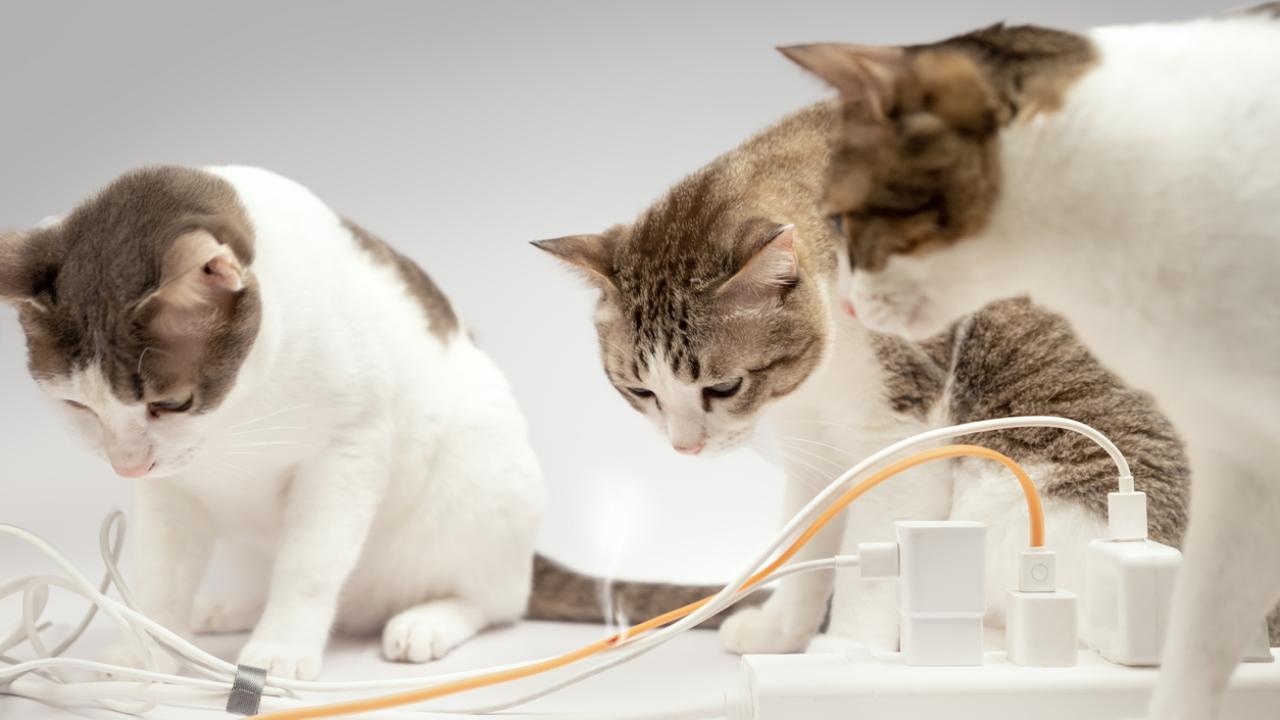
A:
x: 283, y: 660
x: 419, y: 635
x: 224, y: 614
x: 758, y: 630
x: 127, y: 654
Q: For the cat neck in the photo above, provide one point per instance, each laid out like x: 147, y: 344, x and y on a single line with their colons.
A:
x: 845, y: 402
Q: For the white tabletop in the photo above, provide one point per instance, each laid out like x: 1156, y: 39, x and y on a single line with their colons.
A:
x: 690, y: 671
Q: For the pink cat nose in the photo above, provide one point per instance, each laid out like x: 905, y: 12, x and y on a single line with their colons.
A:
x: 132, y: 469
x: 690, y: 449
x: 848, y: 307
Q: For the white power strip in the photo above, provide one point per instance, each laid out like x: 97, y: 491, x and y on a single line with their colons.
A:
x: 879, y: 686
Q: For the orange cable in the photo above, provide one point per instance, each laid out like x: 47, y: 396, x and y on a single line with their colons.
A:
x: 1034, y: 508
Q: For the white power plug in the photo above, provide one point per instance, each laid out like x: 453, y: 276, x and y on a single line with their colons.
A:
x: 941, y: 591
x: 1040, y: 620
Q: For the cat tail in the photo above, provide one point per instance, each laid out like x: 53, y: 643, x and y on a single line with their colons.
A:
x: 561, y: 593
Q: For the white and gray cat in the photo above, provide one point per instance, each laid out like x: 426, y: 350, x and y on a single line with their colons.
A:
x: 1128, y: 177
x: 720, y: 309
x: 277, y: 378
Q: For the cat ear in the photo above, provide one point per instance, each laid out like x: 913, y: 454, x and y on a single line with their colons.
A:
x: 945, y: 83
x: 16, y: 285
x: 772, y: 268
x: 590, y: 254
x: 199, y: 279
x: 868, y: 72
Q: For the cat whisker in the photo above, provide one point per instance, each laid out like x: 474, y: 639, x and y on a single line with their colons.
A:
x: 817, y: 480
x: 836, y: 425
x: 818, y: 456
x: 260, y: 418
x: 819, y: 443
x: 240, y: 472
x: 273, y: 428
x: 265, y: 443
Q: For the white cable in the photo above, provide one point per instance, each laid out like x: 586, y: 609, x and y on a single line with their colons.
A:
x: 640, y: 648
x: 146, y: 634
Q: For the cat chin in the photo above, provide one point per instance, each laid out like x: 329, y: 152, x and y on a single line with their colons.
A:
x: 736, y: 440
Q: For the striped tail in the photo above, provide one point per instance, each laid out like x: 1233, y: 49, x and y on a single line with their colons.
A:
x: 561, y: 593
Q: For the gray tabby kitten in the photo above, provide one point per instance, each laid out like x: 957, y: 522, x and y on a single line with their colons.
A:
x: 720, y: 309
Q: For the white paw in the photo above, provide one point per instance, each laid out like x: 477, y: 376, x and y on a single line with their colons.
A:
x: 128, y: 655
x: 761, y: 629
x: 419, y: 635
x: 284, y: 660
x: 224, y: 614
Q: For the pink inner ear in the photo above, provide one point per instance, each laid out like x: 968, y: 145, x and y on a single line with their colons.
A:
x: 869, y: 72
x: 198, y: 270
x: 225, y: 271
x: 777, y: 259
x: 772, y: 267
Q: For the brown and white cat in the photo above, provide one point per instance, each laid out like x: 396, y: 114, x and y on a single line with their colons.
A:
x: 273, y: 376
x: 1128, y: 177
x: 720, y: 309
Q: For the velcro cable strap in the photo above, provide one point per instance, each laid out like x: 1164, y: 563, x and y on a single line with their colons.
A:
x: 246, y: 692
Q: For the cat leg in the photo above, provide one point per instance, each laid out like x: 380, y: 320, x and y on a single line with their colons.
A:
x: 173, y: 537
x: 229, y: 613
x: 235, y: 611
x: 331, y: 504
x: 792, y: 615
x: 1227, y: 583
x: 428, y: 631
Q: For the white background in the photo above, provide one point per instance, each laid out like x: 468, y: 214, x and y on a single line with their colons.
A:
x: 458, y: 132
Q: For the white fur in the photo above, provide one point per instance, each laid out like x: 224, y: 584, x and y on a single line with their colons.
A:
x: 1147, y: 210
x: 367, y: 470
x: 681, y: 417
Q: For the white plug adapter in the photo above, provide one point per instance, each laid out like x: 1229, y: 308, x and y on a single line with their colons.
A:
x: 1040, y: 620
x: 1128, y: 584
x: 941, y: 599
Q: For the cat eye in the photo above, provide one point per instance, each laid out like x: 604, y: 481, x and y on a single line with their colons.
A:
x: 76, y: 405
x: 640, y: 392
x: 728, y: 388
x: 156, y: 409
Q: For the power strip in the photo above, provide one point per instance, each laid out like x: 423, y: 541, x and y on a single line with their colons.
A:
x: 880, y: 686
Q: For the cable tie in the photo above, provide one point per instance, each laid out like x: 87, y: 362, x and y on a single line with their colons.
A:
x: 246, y: 691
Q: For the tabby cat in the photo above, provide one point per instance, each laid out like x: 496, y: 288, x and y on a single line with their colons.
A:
x: 719, y: 310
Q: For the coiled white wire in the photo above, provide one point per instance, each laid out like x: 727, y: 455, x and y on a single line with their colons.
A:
x: 138, y: 691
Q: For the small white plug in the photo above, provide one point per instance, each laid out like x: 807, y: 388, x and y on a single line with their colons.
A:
x: 1127, y: 515
x: 878, y: 559
x: 1037, y: 570
x: 1041, y: 621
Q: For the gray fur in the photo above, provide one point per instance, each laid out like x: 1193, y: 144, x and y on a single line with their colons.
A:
x: 79, y: 284
x: 1269, y: 10
x: 1015, y: 358
x: 441, y: 320
x: 566, y: 595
